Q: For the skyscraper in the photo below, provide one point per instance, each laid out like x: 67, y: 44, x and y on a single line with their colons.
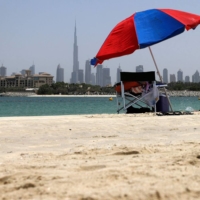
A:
x: 165, y: 75
x: 196, y: 77
x: 80, y: 76
x: 187, y: 79
x: 93, y: 82
x: 106, y: 77
x: 139, y: 68
x: 32, y: 68
x: 3, y: 71
x: 118, y: 74
x: 180, y: 75
x: 87, y: 72
x: 99, y: 75
x: 23, y: 72
x: 74, y: 75
x: 172, y: 78
x: 59, y: 74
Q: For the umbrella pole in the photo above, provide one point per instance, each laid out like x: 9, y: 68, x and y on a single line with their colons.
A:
x: 160, y: 77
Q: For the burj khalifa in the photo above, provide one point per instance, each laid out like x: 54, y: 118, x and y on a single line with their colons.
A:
x: 74, y: 75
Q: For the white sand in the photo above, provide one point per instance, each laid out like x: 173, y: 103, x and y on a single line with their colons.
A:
x: 90, y: 157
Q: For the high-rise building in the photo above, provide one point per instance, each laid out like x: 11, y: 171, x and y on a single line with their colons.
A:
x: 172, y: 78
x: 93, y: 82
x: 23, y: 72
x: 118, y: 74
x: 74, y: 75
x: 196, y: 77
x: 87, y: 72
x: 3, y: 71
x: 99, y: 75
x: 139, y: 68
x: 59, y: 74
x: 187, y: 79
x: 180, y: 75
x: 106, y: 77
x: 165, y: 75
x: 32, y: 68
x: 80, y: 76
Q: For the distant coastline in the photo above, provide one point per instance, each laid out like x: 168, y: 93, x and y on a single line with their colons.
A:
x: 25, y: 94
x: 183, y: 93
x: 31, y: 94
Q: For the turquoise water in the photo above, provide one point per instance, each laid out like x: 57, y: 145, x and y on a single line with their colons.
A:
x: 44, y: 106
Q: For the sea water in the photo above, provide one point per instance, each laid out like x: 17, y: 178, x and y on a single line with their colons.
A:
x: 45, y: 106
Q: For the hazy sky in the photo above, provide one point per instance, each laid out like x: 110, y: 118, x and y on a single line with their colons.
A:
x: 42, y: 31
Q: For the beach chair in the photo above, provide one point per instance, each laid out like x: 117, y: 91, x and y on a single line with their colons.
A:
x: 137, y: 92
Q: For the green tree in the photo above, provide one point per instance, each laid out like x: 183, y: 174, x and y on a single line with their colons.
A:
x: 45, y: 89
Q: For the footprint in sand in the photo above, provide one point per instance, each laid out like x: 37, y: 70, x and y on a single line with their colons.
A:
x: 9, y: 179
x: 26, y: 185
x: 126, y: 153
x: 5, y: 180
x: 198, y: 157
x: 93, y: 167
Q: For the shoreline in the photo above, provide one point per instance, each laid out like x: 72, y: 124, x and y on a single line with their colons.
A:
x: 104, y: 115
x: 72, y: 96
x: 173, y: 93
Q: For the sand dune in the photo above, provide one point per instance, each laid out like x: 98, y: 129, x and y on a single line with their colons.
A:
x: 95, y: 157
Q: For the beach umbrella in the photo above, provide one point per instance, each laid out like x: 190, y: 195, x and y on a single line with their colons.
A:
x: 144, y: 29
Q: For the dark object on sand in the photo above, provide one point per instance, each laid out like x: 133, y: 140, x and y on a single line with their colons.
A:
x: 132, y: 109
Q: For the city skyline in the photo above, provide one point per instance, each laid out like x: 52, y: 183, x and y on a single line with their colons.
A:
x: 102, y: 76
x: 180, y: 77
x: 43, y: 31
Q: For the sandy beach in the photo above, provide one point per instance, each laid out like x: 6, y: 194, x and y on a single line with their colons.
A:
x: 100, y: 157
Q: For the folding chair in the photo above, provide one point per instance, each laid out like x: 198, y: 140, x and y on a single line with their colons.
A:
x: 137, y: 89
